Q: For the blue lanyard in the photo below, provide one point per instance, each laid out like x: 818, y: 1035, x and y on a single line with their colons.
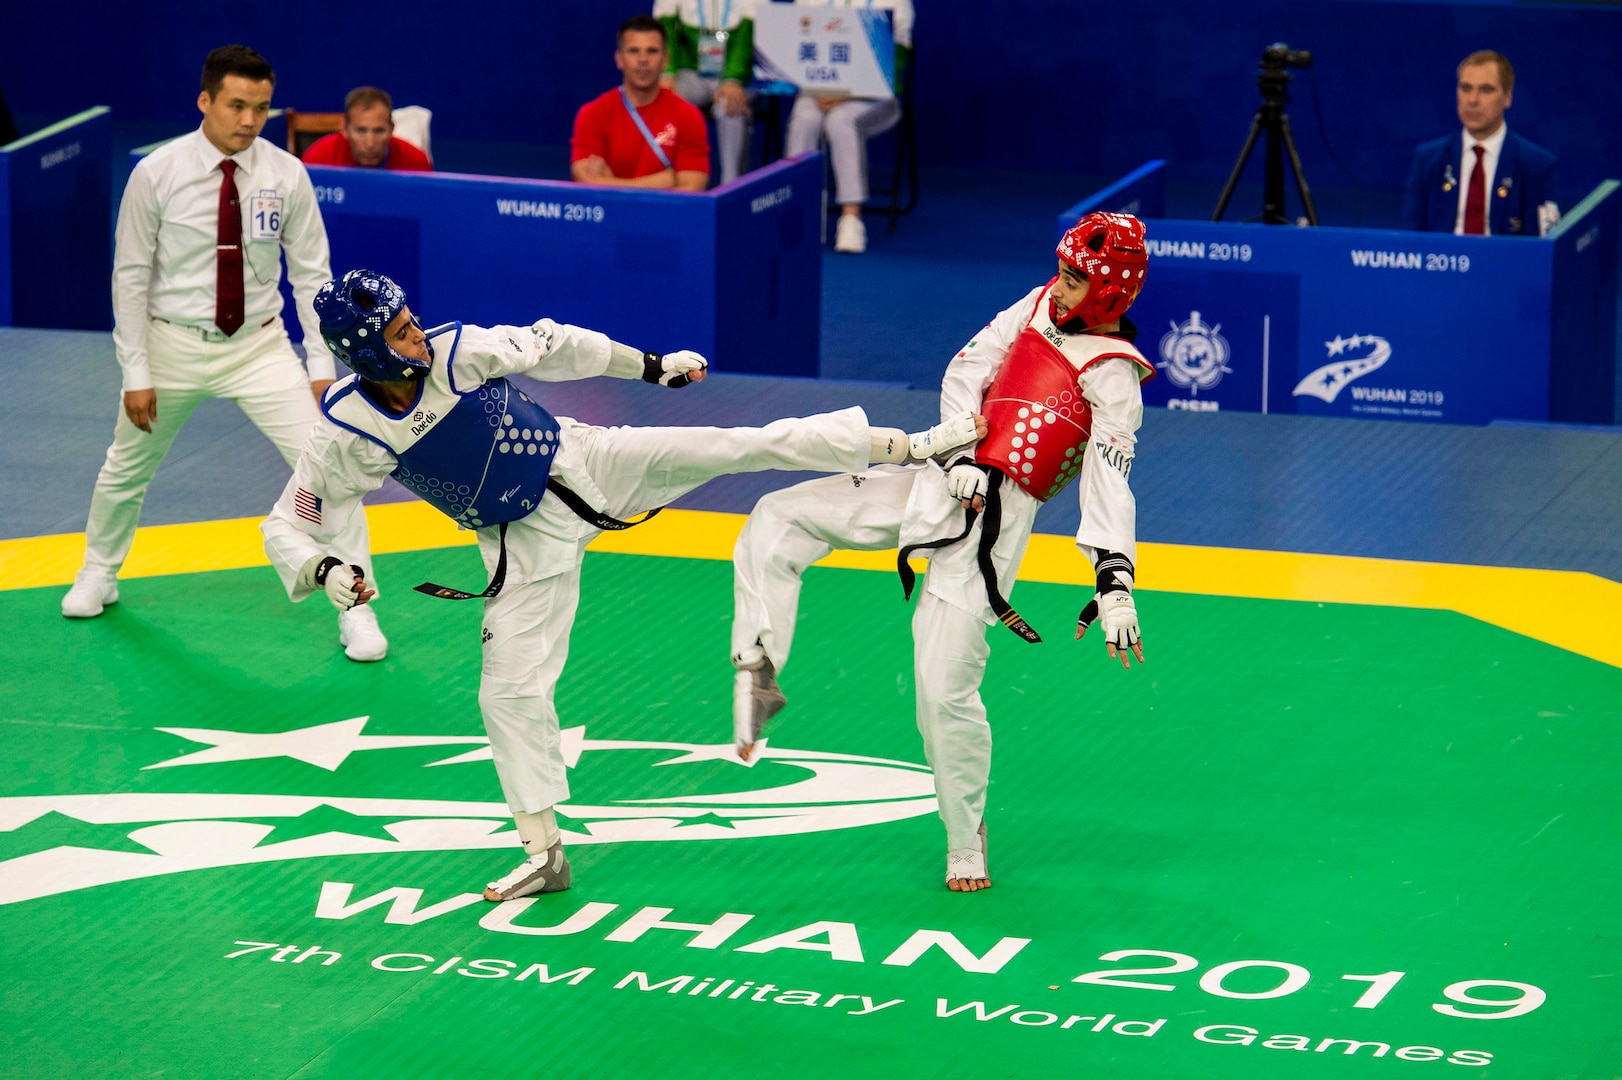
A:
x: 642, y: 126
x: 726, y: 15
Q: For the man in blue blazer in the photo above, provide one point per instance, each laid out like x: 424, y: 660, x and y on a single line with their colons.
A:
x: 1484, y: 180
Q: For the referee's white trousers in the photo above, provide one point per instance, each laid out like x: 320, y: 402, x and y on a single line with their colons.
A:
x: 261, y: 373
x: 790, y: 529
x: 622, y: 471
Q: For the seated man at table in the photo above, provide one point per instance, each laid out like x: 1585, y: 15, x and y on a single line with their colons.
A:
x: 1485, y: 180
x: 367, y: 139
x: 639, y: 134
x: 711, y: 62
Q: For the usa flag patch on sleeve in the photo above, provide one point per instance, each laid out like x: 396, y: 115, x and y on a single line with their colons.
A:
x: 307, y: 505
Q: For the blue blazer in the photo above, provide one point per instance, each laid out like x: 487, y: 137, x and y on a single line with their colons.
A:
x: 1527, y: 177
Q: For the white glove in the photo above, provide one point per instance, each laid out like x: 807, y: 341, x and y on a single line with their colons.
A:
x: 1118, y: 618
x: 966, y: 482
x: 344, y: 583
x: 675, y: 369
x: 1114, y: 609
x: 1118, y: 615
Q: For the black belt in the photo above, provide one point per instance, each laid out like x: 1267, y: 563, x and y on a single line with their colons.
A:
x: 581, y: 508
x: 989, y: 529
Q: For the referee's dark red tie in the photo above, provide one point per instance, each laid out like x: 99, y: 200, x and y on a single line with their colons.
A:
x: 228, y: 305
x: 1475, y: 199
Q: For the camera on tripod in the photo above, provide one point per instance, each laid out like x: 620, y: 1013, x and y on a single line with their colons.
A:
x: 1278, y: 56
x: 1271, y: 120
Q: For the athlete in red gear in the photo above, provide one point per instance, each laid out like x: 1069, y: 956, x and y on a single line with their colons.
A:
x: 1057, y: 378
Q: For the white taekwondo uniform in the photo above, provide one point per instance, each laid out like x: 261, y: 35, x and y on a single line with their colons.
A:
x: 461, y: 446
x: 888, y: 506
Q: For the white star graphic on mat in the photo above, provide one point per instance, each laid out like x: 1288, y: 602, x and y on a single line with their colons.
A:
x: 323, y: 745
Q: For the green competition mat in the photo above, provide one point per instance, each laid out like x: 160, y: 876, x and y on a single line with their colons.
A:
x: 1304, y: 840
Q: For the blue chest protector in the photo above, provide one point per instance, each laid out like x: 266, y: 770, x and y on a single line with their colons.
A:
x: 481, y: 456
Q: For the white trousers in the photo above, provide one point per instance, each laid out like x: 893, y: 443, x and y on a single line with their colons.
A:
x: 260, y: 372
x: 731, y: 132
x: 790, y: 529
x: 622, y: 471
x: 848, y: 126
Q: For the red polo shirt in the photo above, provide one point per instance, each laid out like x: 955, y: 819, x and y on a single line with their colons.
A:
x: 603, y: 128
x: 334, y: 150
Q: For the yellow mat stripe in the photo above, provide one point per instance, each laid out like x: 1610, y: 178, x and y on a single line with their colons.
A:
x: 1571, y: 610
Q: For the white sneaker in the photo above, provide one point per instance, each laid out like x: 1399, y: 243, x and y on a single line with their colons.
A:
x: 536, y: 874
x: 851, y: 235
x: 93, y: 589
x: 359, y: 635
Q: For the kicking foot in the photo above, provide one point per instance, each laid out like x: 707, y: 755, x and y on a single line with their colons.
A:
x: 92, y: 591
x: 958, y: 433
x: 536, y: 874
x: 360, y: 636
x: 966, y: 867
x: 756, y: 698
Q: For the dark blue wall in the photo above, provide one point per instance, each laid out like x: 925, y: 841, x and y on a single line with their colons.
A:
x: 1048, y: 85
x: 1176, y: 79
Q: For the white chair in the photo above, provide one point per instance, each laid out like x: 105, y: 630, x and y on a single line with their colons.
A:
x: 411, y: 124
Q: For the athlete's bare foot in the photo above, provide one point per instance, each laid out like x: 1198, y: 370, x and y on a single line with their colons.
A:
x: 968, y: 884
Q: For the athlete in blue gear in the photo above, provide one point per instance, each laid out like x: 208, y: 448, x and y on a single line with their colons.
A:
x: 436, y: 410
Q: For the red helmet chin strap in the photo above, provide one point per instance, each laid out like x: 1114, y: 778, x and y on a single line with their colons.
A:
x: 1109, y: 250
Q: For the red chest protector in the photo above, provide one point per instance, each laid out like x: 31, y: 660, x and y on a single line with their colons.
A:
x: 1039, y: 420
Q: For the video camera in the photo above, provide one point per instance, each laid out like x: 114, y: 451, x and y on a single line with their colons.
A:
x: 1278, y: 56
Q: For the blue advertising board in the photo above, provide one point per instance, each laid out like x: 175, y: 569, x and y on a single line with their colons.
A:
x: 1381, y: 324
x: 56, y: 259
x: 1348, y: 322
x: 1584, y: 376
x: 734, y: 273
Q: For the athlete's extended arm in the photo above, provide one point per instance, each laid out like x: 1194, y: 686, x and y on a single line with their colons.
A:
x: 558, y: 352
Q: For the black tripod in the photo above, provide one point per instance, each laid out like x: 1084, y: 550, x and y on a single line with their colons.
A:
x: 1270, y: 116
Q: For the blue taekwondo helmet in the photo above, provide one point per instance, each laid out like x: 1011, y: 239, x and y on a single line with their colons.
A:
x: 354, y: 310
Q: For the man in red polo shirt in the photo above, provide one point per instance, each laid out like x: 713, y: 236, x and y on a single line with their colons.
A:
x: 640, y: 134
x: 367, y: 140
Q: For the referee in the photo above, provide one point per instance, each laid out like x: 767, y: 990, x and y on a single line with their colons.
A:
x: 202, y: 228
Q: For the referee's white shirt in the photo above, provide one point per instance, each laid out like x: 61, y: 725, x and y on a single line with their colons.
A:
x: 164, y: 247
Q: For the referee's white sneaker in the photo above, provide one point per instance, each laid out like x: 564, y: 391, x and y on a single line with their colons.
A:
x: 93, y: 589
x: 850, y: 236
x: 358, y: 633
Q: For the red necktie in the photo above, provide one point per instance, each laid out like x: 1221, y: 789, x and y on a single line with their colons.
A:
x: 1475, y: 199
x: 228, y: 256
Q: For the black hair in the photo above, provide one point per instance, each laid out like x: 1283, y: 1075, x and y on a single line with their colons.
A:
x: 234, y: 60
x: 642, y: 24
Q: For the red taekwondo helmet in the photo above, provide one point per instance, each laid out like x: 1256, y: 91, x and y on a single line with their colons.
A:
x: 1110, y: 250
